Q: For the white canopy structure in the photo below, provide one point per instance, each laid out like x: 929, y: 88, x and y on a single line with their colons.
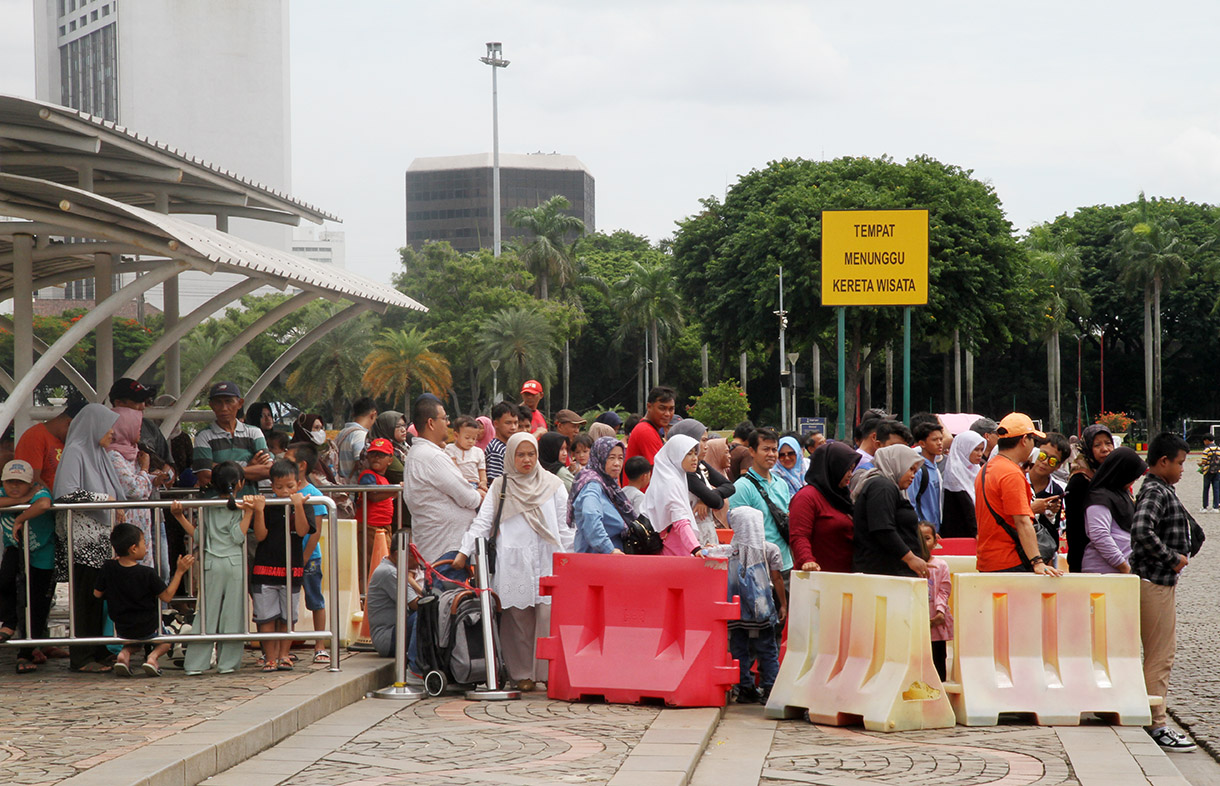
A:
x: 81, y: 197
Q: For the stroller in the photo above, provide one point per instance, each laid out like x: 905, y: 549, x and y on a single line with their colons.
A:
x: 449, y: 631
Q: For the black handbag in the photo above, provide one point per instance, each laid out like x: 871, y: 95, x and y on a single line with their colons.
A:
x: 640, y: 538
x: 780, y: 517
x: 1047, y: 545
x: 495, y: 528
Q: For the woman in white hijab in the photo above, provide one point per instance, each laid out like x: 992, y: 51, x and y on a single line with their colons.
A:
x: 667, y: 501
x: 85, y: 474
x: 961, y: 468
x: 533, y: 527
x: 886, y: 538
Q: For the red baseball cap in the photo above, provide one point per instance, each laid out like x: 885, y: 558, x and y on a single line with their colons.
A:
x: 381, y: 445
x: 532, y: 386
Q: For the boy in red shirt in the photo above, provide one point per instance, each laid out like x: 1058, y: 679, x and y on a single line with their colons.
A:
x: 380, y: 503
x: 648, y: 437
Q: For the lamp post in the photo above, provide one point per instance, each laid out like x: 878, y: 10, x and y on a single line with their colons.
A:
x: 495, y: 381
x: 496, y: 62
x: 783, y: 369
x: 792, y: 358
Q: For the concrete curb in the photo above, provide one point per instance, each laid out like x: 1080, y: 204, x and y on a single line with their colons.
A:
x: 215, y: 745
x: 670, y: 749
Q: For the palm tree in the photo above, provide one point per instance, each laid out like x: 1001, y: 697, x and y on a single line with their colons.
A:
x: 549, y: 254
x: 1151, y: 255
x: 330, y: 370
x: 647, y: 300
x: 522, y: 340
x: 206, y: 342
x: 402, y: 357
x: 1056, y: 267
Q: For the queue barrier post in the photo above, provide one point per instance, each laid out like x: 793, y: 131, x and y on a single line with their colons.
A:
x: 632, y: 628
x: 1051, y: 648
x: 860, y: 650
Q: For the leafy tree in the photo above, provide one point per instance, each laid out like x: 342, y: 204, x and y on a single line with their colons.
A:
x: 401, y: 358
x: 1056, y: 273
x: 523, y: 340
x: 720, y: 406
x: 1151, y: 255
x: 728, y: 255
x: 330, y: 372
x: 646, y: 300
x: 206, y: 342
x: 548, y: 255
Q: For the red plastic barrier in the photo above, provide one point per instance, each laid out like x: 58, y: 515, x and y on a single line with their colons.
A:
x: 966, y: 547
x: 725, y: 535
x: 631, y: 629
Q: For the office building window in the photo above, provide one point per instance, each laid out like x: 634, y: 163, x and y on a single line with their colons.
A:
x: 89, y: 75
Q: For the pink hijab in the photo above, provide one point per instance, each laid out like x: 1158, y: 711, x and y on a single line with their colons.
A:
x: 127, y: 433
x: 489, y: 432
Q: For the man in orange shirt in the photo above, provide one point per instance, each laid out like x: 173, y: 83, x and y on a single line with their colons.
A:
x: 1002, y: 491
x: 42, y: 445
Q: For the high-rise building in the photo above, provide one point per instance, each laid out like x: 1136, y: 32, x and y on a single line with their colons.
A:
x: 324, y: 246
x: 450, y: 197
x: 209, y: 78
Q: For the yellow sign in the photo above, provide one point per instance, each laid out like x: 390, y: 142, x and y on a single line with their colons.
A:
x: 874, y: 257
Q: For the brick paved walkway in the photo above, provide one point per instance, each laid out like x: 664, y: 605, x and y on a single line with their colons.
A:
x: 54, y: 723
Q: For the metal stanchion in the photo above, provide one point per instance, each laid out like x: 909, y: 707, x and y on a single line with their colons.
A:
x: 400, y: 689
x: 492, y: 691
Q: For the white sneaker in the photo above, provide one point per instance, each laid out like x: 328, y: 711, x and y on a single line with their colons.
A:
x: 1204, y: 510
x: 1172, y: 740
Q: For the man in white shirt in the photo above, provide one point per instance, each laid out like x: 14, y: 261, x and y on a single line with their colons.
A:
x: 441, y: 502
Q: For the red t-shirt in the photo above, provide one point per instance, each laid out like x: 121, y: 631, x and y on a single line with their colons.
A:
x: 381, y: 512
x: 42, y: 450
x: 820, y: 532
x: 537, y: 421
x: 644, y: 441
x: 1009, y: 493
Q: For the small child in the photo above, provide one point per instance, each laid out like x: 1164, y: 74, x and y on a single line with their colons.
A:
x: 305, y: 456
x: 470, y: 458
x: 751, y: 578
x: 38, y: 525
x: 277, y: 443
x: 224, y: 533
x: 638, y: 472
x: 582, y: 447
x: 269, y: 574
x: 938, y: 596
x: 131, y: 592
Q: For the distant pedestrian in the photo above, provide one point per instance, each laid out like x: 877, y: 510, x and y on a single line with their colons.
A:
x: 966, y: 456
x: 441, y: 502
x: 885, y: 538
x: 647, y: 438
x: 791, y: 464
x: 754, y: 577
x: 598, y: 510
x: 553, y: 457
x: 760, y: 489
x: 1164, y: 538
x: 667, y: 500
x: 1209, y: 465
x: 531, y: 397
x: 353, y: 437
x: 927, y: 492
x: 1095, y: 444
x: 1110, y: 512
x: 820, y: 514
x: 638, y: 472
x: 504, y: 424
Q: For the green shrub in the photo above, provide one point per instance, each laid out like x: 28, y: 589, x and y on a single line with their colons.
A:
x: 720, y: 406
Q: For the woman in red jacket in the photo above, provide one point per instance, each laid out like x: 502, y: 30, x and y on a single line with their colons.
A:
x: 819, y: 516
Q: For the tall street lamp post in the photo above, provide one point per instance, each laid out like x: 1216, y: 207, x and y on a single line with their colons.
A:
x: 496, y: 62
x: 495, y: 382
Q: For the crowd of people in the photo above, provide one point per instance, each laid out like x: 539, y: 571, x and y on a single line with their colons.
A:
x: 880, y: 504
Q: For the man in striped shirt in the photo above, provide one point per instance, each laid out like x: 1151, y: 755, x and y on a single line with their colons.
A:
x: 504, y: 419
x: 228, y: 439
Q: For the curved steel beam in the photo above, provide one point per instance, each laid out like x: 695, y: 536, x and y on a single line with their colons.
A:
x: 303, y: 343
x: 187, y: 323
x: 235, y: 345
x: 90, y: 320
x: 64, y: 367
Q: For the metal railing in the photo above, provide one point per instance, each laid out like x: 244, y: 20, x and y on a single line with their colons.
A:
x: 362, y: 568
x: 187, y: 638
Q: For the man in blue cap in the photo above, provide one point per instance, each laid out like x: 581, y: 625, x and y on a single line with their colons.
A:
x: 228, y: 439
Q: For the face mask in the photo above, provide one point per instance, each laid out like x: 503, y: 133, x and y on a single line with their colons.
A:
x: 318, y: 437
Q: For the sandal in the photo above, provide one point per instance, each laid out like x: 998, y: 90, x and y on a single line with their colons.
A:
x: 6, y: 634
x: 151, y: 669
x: 121, y: 669
x: 321, y: 656
x: 93, y: 668
x: 268, y: 668
x: 285, y: 664
x: 26, y: 666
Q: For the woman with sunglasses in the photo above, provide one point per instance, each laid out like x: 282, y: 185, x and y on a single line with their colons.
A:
x: 1048, y: 493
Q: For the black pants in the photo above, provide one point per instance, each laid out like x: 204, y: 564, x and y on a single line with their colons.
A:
x: 12, y: 597
x: 90, y: 617
x: 939, y: 654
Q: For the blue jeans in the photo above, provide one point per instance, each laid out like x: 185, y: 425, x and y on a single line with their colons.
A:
x: 760, y: 646
x: 1211, y: 481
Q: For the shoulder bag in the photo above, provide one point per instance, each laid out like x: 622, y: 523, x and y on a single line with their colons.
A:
x: 1047, y: 546
x: 640, y: 538
x: 781, y: 518
x: 495, y: 528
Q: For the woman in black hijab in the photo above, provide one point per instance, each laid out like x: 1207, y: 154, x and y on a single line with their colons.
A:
x: 820, y: 514
x: 1109, y: 513
x: 1095, y: 444
x: 552, y: 453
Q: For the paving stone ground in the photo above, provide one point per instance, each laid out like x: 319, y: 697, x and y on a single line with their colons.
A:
x: 55, y: 724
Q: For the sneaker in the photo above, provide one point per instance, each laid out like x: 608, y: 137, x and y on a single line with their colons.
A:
x: 1204, y: 509
x: 1172, y: 740
x: 747, y: 694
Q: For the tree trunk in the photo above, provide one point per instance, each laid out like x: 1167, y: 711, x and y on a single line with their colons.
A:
x: 866, y: 399
x: 648, y: 383
x: 1058, y: 382
x: 567, y: 372
x: 639, y: 386
x: 703, y: 363
x: 475, y: 393
x: 543, y: 282
x: 817, y: 380
x: 1052, y: 392
x: 889, y: 377
x: 969, y: 381
x: 1157, y: 424
x: 743, y: 371
x: 946, y: 378
x: 1148, y: 348
x: 957, y: 371
x: 656, y: 355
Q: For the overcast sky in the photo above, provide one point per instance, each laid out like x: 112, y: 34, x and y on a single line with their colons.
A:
x: 1059, y: 105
